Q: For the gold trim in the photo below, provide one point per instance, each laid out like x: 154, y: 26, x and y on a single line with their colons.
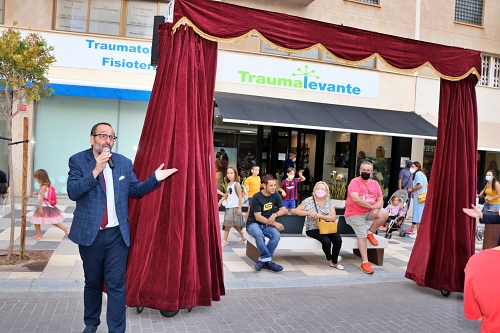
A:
x: 185, y: 20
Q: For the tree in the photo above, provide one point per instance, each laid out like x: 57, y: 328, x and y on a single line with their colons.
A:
x: 24, y: 63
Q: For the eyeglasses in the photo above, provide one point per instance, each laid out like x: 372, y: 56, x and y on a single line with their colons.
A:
x: 105, y: 136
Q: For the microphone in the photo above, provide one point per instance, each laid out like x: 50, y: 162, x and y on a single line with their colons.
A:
x: 110, y: 161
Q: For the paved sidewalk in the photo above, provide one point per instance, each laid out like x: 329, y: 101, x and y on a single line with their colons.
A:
x: 375, y: 307
x: 64, y: 271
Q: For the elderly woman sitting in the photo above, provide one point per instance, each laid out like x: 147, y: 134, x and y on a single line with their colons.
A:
x: 320, y: 206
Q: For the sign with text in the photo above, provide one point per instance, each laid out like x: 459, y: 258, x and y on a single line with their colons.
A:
x: 296, y: 75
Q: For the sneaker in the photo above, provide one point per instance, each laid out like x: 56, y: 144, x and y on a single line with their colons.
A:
x: 274, y: 267
x: 382, y: 228
x: 372, y: 239
x: 409, y: 231
x: 339, y: 266
x: 339, y: 259
x: 414, y: 235
x: 366, y: 268
x: 259, y: 265
x: 90, y: 329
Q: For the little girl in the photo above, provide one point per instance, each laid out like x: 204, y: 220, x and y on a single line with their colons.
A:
x: 45, y: 214
x: 233, y: 217
x: 393, y: 209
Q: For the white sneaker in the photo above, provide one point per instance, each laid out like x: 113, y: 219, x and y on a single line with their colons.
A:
x: 413, y: 235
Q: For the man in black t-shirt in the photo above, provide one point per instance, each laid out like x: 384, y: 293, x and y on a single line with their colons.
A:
x: 266, y: 207
x: 4, y: 184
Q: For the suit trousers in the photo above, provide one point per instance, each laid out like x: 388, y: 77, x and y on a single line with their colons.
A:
x: 105, y: 261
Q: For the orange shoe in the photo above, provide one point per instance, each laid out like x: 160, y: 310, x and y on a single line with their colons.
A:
x: 372, y: 239
x: 366, y: 268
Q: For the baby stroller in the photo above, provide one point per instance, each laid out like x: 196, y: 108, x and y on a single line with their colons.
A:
x: 396, y: 222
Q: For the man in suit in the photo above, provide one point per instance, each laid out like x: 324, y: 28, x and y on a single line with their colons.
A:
x: 101, y: 222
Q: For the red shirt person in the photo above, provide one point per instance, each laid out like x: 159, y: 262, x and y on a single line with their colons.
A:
x: 363, y: 211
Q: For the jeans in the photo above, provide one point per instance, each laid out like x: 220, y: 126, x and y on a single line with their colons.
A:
x: 259, y: 232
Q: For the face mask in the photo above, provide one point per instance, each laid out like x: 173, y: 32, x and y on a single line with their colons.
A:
x: 365, y: 175
x: 413, y: 170
x: 320, y: 193
x: 488, y: 178
x: 294, y: 159
x: 290, y: 177
x: 408, y: 165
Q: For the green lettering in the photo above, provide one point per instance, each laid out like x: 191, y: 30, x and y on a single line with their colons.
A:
x: 297, y: 83
x: 261, y: 79
x: 243, y: 75
x: 284, y: 82
x: 271, y: 81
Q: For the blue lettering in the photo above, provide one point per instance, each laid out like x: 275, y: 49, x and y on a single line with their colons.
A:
x: 322, y: 86
x: 356, y: 91
x: 313, y: 85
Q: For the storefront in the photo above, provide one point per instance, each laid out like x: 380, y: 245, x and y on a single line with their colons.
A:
x: 333, y: 116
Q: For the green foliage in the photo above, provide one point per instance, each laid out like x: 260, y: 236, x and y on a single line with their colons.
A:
x: 24, y: 63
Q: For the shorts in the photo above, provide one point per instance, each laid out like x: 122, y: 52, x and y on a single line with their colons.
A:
x: 493, y: 207
x: 360, y: 223
x: 289, y: 204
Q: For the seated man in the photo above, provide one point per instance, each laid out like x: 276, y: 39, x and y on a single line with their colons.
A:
x: 363, y: 210
x: 266, y: 207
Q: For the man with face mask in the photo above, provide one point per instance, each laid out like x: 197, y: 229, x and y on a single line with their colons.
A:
x: 363, y: 211
x: 406, y: 180
x: 101, y: 187
x: 289, y: 162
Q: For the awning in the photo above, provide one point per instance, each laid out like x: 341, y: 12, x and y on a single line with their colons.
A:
x: 256, y: 110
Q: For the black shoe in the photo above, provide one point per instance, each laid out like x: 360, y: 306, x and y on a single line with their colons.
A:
x: 90, y: 329
x: 274, y: 267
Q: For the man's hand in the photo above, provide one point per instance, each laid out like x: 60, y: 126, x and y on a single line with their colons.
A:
x: 100, y: 163
x: 161, y: 173
x: 278, y: 226
x: 473, y: 212
x: 4, y: 195
x: 272, y: 218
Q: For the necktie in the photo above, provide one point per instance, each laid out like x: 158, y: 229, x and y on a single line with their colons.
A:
x: 104, y: 221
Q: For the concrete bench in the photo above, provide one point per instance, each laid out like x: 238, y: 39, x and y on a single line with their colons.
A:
x: 300, y: 241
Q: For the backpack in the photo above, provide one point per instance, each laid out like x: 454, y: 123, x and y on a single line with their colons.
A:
x: 51, y: 196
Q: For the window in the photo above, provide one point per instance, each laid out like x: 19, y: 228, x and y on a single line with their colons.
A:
x: 130, y: 18
x: 490, y: 72
x: 1, y: 11
x: 469, y: 11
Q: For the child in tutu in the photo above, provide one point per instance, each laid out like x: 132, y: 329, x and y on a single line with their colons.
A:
x: 46, y: 213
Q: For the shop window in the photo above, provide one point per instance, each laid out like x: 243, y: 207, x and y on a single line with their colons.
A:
x: 429, y: 149
x: 130, y: 18
x: 377, y: 150
x: 469, y: 11
x: 490, y: 71
x: 336, y: 159
x: 234, y: 146
x: 370, y: 63
x: 371, y: 2
x: 68, y: 120
x: 1, y: 11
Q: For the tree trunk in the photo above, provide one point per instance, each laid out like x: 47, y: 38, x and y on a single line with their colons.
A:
x: 11, y: 189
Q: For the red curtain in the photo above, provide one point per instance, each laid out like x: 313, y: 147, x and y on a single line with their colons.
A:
x: 225, y: 22
x: 446, y: 238
x: 175, y: 258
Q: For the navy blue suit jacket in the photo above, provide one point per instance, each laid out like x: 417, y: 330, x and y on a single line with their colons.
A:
x: 90, y: 196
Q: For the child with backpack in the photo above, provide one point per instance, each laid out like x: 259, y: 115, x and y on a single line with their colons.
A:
x: 47, y: 212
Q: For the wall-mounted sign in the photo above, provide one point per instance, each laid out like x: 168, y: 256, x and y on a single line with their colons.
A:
x: 296, y: 75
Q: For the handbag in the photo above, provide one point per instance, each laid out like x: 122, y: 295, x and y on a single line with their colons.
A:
x: 324, y: 226
x: 421, y: 197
